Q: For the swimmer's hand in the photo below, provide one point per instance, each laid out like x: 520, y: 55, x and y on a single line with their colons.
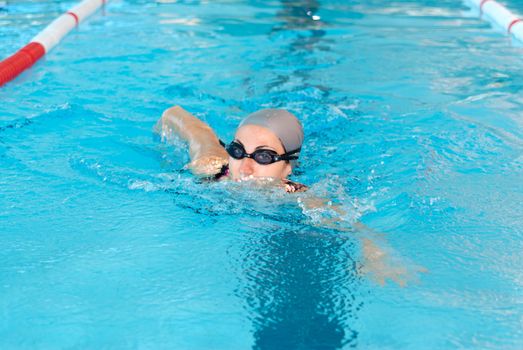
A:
x: 206, y: 166
x: 293, y: 187
x: 381, y: 266
x: 380, y: 261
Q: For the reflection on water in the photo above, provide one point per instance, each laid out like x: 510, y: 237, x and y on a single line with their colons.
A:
x: 291, y: 66
x: 299, y: 14
x: 299, y: 17
x: 298, y: 285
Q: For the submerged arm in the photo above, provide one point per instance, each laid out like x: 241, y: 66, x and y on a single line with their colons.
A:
x: 380, y: 261
x: 207, y: 155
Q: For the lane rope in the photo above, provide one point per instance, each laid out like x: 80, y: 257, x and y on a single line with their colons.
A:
x: 48, y: 38
x: 74, y: 16
x: 509, y: 29
x: 481, y: 5
x: 499, y: 16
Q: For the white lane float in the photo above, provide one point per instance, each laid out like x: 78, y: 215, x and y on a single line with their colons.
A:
x: 500, y: 16
x: 48, y: 38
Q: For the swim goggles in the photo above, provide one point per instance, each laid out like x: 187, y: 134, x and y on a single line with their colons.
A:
x: 260, y: 156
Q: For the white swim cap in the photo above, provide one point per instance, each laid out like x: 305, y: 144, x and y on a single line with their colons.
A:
x: 282, y: 123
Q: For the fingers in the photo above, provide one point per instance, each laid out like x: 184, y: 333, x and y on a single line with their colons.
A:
x: 207, y: 166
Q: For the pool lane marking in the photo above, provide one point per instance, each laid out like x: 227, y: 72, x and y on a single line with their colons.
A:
x: 23, y: 59
x: 500, y: 16
x: 517, y: 20
x: 482, y: 4
x: 74, y: 16
x: 48, y: 38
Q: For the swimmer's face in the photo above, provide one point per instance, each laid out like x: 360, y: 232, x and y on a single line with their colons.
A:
x: 254, y: 137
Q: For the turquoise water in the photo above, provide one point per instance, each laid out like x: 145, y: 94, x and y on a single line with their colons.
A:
x: 413, y: 121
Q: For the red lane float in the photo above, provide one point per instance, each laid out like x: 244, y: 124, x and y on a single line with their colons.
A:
x: 500, y: 16
x: 48, y: 38
x: 20, y: 61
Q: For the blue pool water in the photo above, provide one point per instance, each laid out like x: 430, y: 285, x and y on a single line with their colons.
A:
x: 413, y: 119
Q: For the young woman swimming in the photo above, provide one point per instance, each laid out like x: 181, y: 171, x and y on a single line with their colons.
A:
x: 266, y: 146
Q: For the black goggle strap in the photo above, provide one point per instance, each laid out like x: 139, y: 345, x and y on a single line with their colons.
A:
x: 289, y: 155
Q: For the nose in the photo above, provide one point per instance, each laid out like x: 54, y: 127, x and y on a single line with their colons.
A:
x: 247, y: 166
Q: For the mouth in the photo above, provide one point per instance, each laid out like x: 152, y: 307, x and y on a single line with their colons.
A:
x: 256, y: 180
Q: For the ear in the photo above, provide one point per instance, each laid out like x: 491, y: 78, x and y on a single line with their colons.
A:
x: 287, y: 170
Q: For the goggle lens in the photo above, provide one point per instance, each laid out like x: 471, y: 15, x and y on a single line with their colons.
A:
x: 236, y: 151
x: 261, y: 156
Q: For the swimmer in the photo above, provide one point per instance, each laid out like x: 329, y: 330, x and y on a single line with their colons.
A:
x: 266, y: 146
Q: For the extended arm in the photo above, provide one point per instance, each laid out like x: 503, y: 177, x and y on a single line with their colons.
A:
x: 207, y: 155
x: 380, y: 261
